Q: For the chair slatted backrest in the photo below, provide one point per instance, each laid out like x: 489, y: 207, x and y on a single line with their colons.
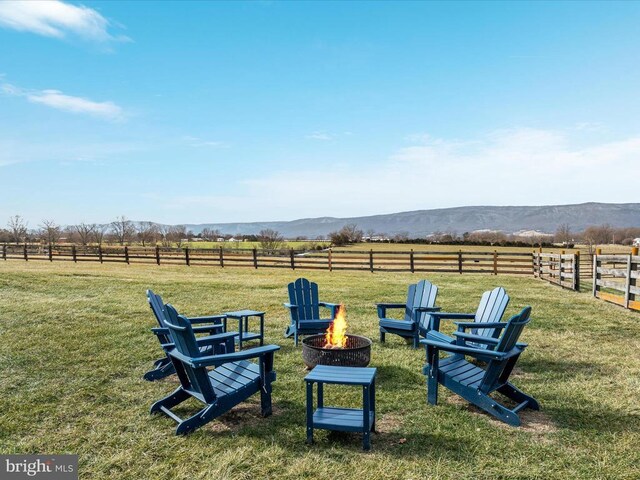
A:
x: 157, y: 307
x: 497, y: 370
x: 492, y: 306
x: 421, y: 294
x: 194, y: 380
x: 304, y: 294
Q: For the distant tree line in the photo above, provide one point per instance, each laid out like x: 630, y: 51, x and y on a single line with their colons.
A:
x: 123, y: 231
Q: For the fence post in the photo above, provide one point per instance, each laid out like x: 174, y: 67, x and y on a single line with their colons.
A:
x: 596, y: 274
x: 50, y: 253
x: 255, y: 258
x: 633, y: 281
x: 100, y: 252
x: 534, y: 260
x: 157, y: 254
x: 495, y: 262
x: 561, y: 267
x: 329, y: 259
x: 26, y: 258
x: 74, y: 254
x: 627, y: 287
x: 4, y: 251
x: 221, y: 258
x: 126, y: 254
x: 576, y: 271
x: 460, y: 262
x: 371, y: 260
x: 293, y: 263
x: 186, y: 256
x: 411, y: 261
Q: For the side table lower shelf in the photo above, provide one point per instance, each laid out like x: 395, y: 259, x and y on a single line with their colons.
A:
x: 341, y: 419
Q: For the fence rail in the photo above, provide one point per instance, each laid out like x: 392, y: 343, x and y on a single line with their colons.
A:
x: 558, y: 268
x: 615, y: 279
x: 490, y: 262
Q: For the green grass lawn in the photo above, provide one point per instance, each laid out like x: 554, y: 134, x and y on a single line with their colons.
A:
x: 76, y: 342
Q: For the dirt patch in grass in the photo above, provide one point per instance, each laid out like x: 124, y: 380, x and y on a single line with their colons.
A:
x: 535, y: 422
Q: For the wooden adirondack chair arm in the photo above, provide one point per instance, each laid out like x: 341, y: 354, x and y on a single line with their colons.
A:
x: 464, y: 325
x: 382, y: 308
x: 470, y: 351
x: 476, y: 338
x: 215, y: 339
x: 201, y: 341
x: 216, y: 360
x: 391, y: 305
x: 211, y: 329
x: 207, y: 319
x: 454, y: 316
x: 328, y: 304
x: 427, y: 309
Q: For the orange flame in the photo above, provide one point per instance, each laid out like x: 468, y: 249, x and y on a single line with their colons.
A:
x: 336, y: 337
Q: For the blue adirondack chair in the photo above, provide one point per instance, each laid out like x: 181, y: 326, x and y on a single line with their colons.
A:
x: 304, y: 308
x: 216, y: 343
x: 232, y: 380
x: 475, y: 383
x: 490, y: 310
x: 421, y: 301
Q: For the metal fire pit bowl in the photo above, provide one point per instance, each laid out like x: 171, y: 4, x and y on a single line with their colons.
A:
x: 357, y: 353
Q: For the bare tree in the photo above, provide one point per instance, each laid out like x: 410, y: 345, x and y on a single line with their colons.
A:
x: 99, y: 231
x: 123, y: 229
x: 147, y: 232
x: 17, y: 228
x: 177, y: 234
x: 563, y: 234
x: 164, y: 231
x: 352, y: 231
x: 50, y: 232
x: 85, y: 232
x: 270, y: 240
x: 209, y: 234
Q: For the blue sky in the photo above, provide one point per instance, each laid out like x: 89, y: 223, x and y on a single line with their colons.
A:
x: 214, y: 112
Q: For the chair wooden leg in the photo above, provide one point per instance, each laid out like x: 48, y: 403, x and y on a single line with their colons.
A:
x: 203, y: 416
x: 502, y: 413
x: 265, y: 399
x: 163, y: 369
x: 514, y: 393
x: 382, y: 337
x: 177, y: 397
x: 432, y: 375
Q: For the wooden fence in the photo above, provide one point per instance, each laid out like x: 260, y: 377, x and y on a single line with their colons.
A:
x: 493, y: 263
x: 561, y: 269
x: 615, y: 279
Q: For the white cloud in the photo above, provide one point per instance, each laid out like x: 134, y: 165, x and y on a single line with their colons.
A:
x: 57, y: 19
x: 508, y: 167
x: 67, y: 103
x: 319, y: 136
x: 199, y: 142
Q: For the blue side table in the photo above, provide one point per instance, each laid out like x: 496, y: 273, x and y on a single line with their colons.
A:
x: 243, y: 325
x: 342, y: 419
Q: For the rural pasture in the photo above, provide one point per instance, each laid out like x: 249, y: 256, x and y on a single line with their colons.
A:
x: 76, y: 341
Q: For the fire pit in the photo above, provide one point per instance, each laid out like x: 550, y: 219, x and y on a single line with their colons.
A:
x: 357, y: 352
x: 335, y: 348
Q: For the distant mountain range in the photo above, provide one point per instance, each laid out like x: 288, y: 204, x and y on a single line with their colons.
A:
x: 458, y: 220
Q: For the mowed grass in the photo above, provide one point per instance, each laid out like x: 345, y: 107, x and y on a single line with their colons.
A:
x: 76, y: 342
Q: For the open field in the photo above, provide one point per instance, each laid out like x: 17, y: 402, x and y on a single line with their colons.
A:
x: 76, y: 341
x: 375, y: 246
